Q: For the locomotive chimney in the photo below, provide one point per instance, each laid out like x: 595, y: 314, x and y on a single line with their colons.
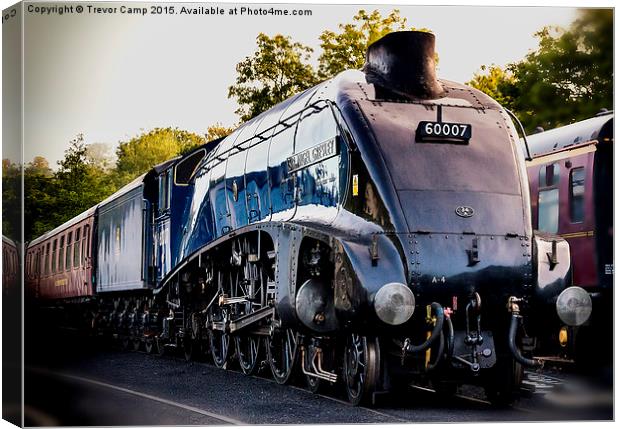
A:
x: 403, y: 63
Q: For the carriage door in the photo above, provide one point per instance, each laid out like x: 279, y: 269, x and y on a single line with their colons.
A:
x: 316, y: 163
x: 162, y: 225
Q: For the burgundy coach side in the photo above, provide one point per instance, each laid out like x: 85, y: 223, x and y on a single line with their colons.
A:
x: 59, y: 264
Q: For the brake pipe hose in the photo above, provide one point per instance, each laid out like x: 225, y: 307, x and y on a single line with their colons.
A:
x: 440, y: 350
x: 515, y: 320
x: 439, y: 319
x: 450, y: 329
x: 512, y: 345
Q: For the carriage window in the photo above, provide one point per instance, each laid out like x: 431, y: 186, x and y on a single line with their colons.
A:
x: 61, y: 254
x: 28, y: 272
x: 164, y: 191
x: 577, y: 191
x: 54, y: 246
x: 47, y: 260
x: 76, y: 249
x: 549, y: 198
x: 549, y: 175
x: 548, y: 210
x: 68, y: 251
x: 85, y: 243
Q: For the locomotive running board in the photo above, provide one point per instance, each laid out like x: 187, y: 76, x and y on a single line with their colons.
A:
x: 244, y: 321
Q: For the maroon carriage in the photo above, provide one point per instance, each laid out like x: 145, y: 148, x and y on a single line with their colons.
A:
x: 59, y: 263
x: 10, y: 266
x: 571, y: 184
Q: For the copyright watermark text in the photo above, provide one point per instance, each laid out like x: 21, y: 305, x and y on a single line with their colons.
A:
x: 167, y: 9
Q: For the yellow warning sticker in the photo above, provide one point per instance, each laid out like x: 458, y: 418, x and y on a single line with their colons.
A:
x: 355, y: 185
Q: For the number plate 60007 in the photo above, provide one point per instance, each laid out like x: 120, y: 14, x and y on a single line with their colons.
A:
x: 443, y: 132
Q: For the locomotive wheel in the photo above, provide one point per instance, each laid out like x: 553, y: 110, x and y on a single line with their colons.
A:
x: 282, y: 354
x: 135, y: 344
x: 149, y: 346
x: 160, y: 346
x: 503, y: 381
x: 315, y: 385
x: 125, y: 343
x: 219, y: 341
x: 361, y: 368
x: 192, y: 344
x: 189, y: 349
x: 248, y: 349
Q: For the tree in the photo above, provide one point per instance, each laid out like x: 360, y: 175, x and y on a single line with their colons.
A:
x: 52, y: 199
x: 278, y: 69
x: 569, y: 76
x: 347, y: 49
x: 84, y: 177
x: 100, y: 155
x: 217, y: 131
x: 141, y: 153
x: 497, y: 83
x: 39, y: 165
x: 11, y: 199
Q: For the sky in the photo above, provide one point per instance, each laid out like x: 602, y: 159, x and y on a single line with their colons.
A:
x: 112, y: 76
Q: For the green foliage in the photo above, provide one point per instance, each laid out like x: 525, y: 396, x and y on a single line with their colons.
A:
x: 495, y: 82
x: 51, y: 199
x: 346, y: 49
x: 569, y: 77
x: 141, y: 153
x: 278, y: 69
x: 85, y: 177
x: 217, y: 131
x: 11, y: 199
x: 101, y: 155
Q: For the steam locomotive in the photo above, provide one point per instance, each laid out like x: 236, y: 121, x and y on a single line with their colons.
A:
x: 371, y: 231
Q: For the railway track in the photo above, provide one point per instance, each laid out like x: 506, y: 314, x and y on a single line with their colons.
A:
x: 197, y: 392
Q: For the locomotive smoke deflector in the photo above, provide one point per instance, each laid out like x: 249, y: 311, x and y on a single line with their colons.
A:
x: 404, y: 63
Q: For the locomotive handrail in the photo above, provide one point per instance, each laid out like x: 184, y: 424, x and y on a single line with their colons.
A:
x: 527, y: 147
